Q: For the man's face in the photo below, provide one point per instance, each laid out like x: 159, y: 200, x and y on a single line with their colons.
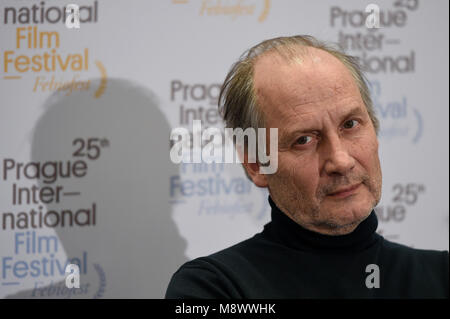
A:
x: 327, y: 142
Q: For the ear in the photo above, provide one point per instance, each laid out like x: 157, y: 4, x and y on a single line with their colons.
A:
x: 252, y: 169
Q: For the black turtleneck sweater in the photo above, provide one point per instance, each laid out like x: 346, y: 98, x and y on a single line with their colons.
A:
x: 286, y: 260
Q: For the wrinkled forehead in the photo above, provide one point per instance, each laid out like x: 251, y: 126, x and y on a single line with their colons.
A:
x: 310, y: 76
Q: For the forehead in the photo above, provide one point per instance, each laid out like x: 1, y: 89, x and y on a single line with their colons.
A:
x: 315, y: 81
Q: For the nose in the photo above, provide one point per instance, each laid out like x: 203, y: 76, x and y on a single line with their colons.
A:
x: 338, y: 160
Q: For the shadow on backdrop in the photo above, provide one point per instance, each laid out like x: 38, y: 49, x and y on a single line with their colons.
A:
x: 134, y: 246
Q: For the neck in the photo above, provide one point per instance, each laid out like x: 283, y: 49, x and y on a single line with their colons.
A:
x: 329, y: 228
x: 354, y: 237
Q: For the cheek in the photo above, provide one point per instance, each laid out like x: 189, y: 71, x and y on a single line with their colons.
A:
x: 367, y: 155
x: 300, y: 174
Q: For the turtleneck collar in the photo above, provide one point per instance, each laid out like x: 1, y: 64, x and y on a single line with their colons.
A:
x: 288, y: 232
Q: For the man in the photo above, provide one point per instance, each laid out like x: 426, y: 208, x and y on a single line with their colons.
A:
x: 321, y: 241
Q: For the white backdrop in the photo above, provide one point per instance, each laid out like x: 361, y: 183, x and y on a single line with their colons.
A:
x: 96, y: 106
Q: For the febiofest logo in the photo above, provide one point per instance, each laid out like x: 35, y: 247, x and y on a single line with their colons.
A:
x: 38, y: 48
x: 35, y: 258
x: 35, y: 255
x: 232, y: 9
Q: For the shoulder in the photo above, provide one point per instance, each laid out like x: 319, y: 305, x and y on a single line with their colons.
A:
x: 396, y: 250
x: 424, y: 265
x: 211, y: 276
x: 198, y: 278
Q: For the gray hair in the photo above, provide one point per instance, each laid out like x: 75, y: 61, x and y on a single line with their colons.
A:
x: 237, y: 100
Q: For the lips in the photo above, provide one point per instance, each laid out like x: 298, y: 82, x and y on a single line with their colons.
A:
x: 345, y: 191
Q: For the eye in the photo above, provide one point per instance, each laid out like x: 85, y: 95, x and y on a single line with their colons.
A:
x: 350, y: 124
x: 305, y: 139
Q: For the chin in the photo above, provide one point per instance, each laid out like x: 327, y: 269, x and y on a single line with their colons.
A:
x: 349, y: 216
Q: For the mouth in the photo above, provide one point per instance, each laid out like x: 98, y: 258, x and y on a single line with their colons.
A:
x: 345, y: 192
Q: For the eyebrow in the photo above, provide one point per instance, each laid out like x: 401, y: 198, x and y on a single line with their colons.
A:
x: 352, y: 112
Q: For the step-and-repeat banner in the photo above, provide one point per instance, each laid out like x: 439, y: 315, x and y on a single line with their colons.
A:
x: 86, y: 114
